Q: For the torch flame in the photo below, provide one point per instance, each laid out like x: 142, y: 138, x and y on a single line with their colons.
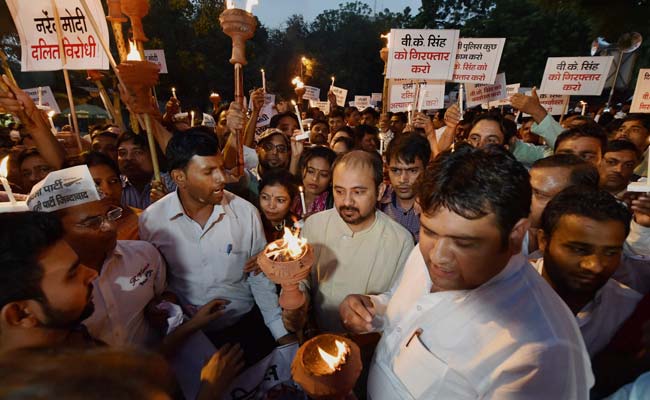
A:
x: 250, y: 4
x: 3, y: 167
x: 334, y: 362
x: 51, y: 113
x: 387, y: 37
x: 296, y: 81
x: 291, y: 246
x: 133, y: 55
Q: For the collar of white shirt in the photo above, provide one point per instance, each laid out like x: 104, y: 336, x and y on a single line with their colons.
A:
x: 175, y: 208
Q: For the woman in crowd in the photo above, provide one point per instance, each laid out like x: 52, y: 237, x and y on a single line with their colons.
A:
x: 316, y: 172
x: 277, y: 189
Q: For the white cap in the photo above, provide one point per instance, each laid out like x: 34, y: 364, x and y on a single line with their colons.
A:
x: 63, y: 189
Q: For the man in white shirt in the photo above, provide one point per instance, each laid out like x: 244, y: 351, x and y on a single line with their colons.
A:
x: 357, y: 248
x: 206, y: 235
x: 469, y: 318
x: 581, y: 237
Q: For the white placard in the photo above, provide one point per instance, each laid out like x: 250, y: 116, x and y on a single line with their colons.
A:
x: 341, y: 94
x: 477, y: 60
x: 479, y: 94
x: 324, y: 106
x: 48, y: 99
x: 402, y: 94
x: 39, y: 44
x: 351, y: 103
x: 510, y: 90
x: 266, y: 113
x: 311, y: 93
x: 553, y: 103
x: 157, y: 57
x: 422, y: 54
x: 362, y: 102
x: 584, y: 76
x: 375, y: 98
x: 641, y: 100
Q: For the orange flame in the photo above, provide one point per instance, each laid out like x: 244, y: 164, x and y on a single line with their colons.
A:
x: 296, y: 81
x: 387, y: 37
x: 291, y: 247
x: 133, y: 55
x: 334, y: 362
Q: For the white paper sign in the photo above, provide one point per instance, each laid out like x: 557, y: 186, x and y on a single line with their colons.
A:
x: 375, y: 98
x: 157, y: 57
x: 324, y: 106
x: 553, y: 103
x: 583, y: 76
x: 62, y: 189
x: 362, y: 102
x: 510, y: 90
x: 477, y: 60
x: 266, y: 113
x: 311, y: 93
x: 402, y: 94
x: 478, y: 94
x: 39, y: 44
x: 341, y: 94
x: 48, y: 99
x: 422, y: 54
x: 641, y: 100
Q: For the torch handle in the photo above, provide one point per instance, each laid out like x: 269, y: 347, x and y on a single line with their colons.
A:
x: 152, y: 147
x: 239, y: 97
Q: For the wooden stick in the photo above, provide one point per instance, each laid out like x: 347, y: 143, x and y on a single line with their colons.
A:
x: 7, y: 68
x: 564, y: 109
x: 66, y: 76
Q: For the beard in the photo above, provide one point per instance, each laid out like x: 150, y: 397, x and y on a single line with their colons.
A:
x: 356, y: 217
x: 58, y: 319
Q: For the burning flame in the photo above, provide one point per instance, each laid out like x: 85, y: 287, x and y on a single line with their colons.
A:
x: 51, y: 113
x: 3, y: 167
x: 250, y: 4
x: 291, y: 246
x: 334, y: 362
x: 133, y: 55
x: 387, y: 37
x: 296, y: 81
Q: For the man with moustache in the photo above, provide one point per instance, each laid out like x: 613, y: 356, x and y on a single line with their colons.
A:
x: 318, y: 132
x: 356, y: 247
x: 636, y: 129
x: 206, y: 234
x: 617, y: 166
x: 407, y: 156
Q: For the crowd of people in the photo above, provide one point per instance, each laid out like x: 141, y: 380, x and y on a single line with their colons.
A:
x: 489, y: 255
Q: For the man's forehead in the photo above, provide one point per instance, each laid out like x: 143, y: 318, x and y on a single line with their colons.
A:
x: 576, y: 227
x: 206, y: 161
x: 129, y: 144
x: 621, y: 154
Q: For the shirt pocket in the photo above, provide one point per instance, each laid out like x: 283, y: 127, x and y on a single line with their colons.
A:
x: 426, y: 376
x: 234, y: 259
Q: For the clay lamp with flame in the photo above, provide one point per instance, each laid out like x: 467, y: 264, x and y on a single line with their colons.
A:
x: 327, y: 367
x: 140, y: 76
x: 286, y: 262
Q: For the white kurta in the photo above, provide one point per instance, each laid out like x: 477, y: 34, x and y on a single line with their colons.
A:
x: 132, y: 276
x: 600, y: 319
x: 366, y: 262
x: 511, y: 338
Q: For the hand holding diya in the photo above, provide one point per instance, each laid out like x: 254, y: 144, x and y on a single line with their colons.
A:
x: 327, y: 367
x: 286, y: 262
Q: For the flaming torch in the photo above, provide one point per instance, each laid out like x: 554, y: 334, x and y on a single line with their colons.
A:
x: 327, y: 367
x: 286, y: 262
x: 240, y: 25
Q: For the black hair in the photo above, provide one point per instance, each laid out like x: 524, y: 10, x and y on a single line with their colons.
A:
x: 583, y: 173
x: 320, y: 121
x: 349, y: 111
x: 92, y: 159
x: 185, y: 145
x: 345, y: 129
x: 282, y: 177
x: 367, y: 159
x: 402, y: 117
x: 316, y: 152
x: 138, y: 139
x: 645, y: 121
x: 474, y: 182
x: 621, y: 145
x: 409, y: 147
x: 349, y: 143
x: 371, y: 111
x: 275, y: 120
x: 24, y: 236
x: 588, y: 129
x: 26, y: 153
x: 508, y: 128
x: 362, y: 130
x: 591, y: 203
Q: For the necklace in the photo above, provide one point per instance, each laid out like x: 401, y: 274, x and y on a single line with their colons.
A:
x: 279, y: 227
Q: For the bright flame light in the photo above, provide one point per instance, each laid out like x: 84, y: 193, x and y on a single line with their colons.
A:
x: 133, y: 55
x: 290, y: 247
x: 51, y: 113
x: 3, y: 167
x: 335, y: 361
x: 297, y: 82
x: 250, y: 4
x: 230, y: 4
x: 387, y: 37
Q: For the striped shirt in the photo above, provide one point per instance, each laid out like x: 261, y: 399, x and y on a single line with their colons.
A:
x: 132, y: 197
x: 409, y: 219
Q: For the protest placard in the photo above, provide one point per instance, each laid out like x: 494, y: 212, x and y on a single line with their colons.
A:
x: 510, y: 90
x: 157, y: 57
x: 362, y: 102
x: 311, y: 93
x: 641, y: 100
x: 324, y: 106
x: 341, y: 94
x: 36, y: 26
x: 477, y: 60
x: 266, y: 113
x: 375, y: 98
x: 402, y: 94
x: 583, y: 76
x: 553, y: 103
x: 479, y: 93
x: 47, y: 98
x: 421, y: 54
